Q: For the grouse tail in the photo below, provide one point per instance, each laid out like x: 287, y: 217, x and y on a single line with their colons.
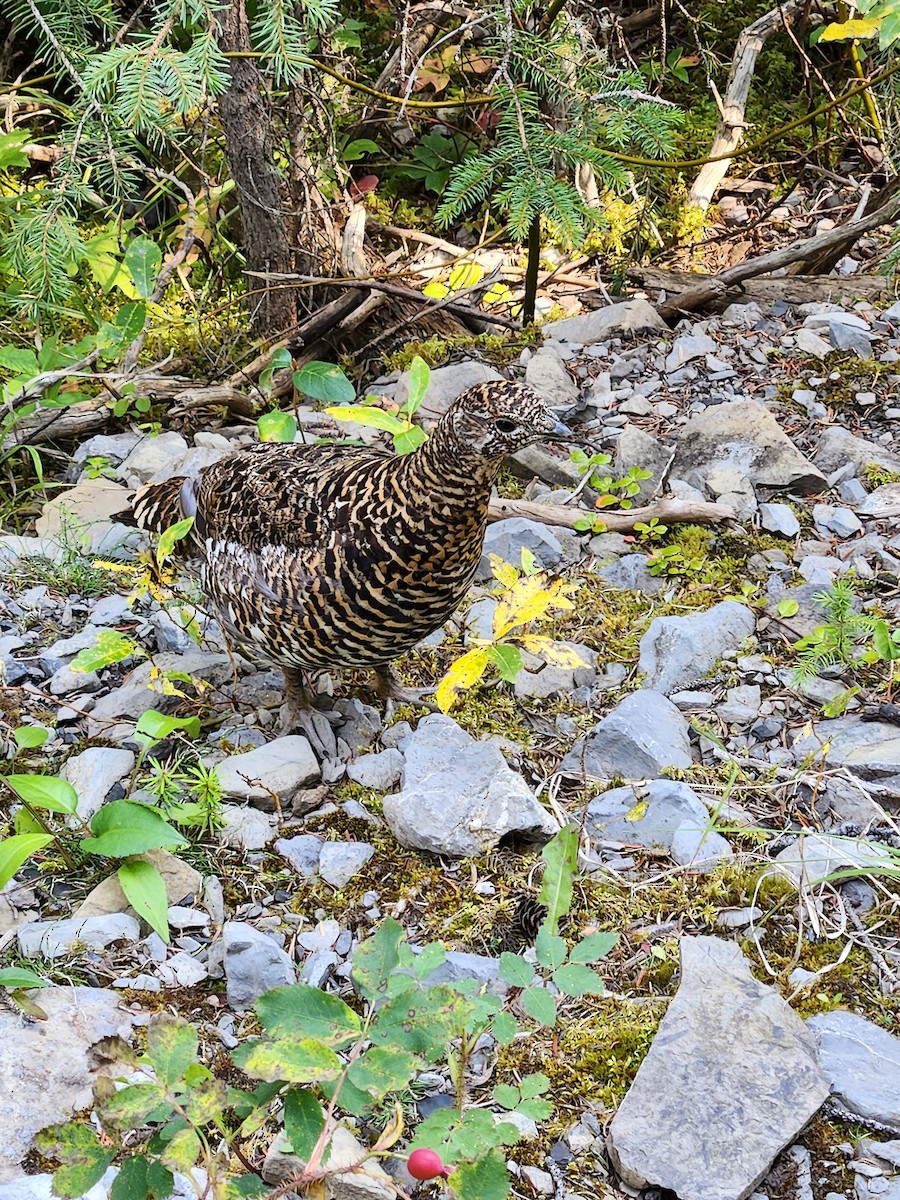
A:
x: 156, y: 506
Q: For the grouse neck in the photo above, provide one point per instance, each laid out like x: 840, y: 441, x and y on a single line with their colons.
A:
x: 444, y: 462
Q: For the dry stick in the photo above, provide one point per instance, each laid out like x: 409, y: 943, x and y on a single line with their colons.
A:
x: 677, y: 511
x: 716, y: 285
x: 731, y: 124
x: 793, y: 289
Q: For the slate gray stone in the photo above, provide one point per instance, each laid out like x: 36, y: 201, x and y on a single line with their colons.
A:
x: 678, y: 651
x: 377, y: 771
x: 92, y: 774
x: 459, y: 964
x: 302, y: 852
x: 47, y: 1071
x: 283, y: 766
x: 254, y: 963
x: 845, y: 331
x: 541, y: 679
x: 631, y: 573
x: 884, y: 500
x: 818, y: 856
x: 509, y: 537
x: 637, y: 448
x: 245, y: 828
x: 730, y: 1080
x: 642, y: 736
x: 156, y: 458
x: 741, y: 704
x: 687, y: 347
x: 618, y: 320
x: 862, y: 1063
x: 55, y: 939
x: 745, y: 435
x: 459, y: 796
x: 340, y: 861
x: 80, y: 518
x: 837, y: 447
x: 780, y: 519
x: 548, y: 376
x: 871, y: 749
x: 661, y: 815
x: 114, y: 714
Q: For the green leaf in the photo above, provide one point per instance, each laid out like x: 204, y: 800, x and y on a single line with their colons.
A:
x: 577, y: 980
x: 78, y: 1148
x: 324, y: 381
x: 143, y: 258
x: 247, y: 1187
x: 110, y: 647
x: 182, y: 1151
x: 20, y: 977
x: 504, y: 1028
x: 20, y: 360
x: 507, y: 659
x: 484, y: 1179
x: 515, y: 970
x: 205, y: 1099
x: 45, y: 791
x: 534, y: 1084
x: 153, y: 726
x: 422, y: 1022
x: 294, y: 1059
x: 170, y: 536
x: 507, y: 1096
x: 539, y: 1005
x: 419, y: 379
x: 277, y: 426
x: 383, y: 1069
x: 561, y: 856
x: 886, y: 646
x: 172, y: 1046
x: 29, y: 737
x: 132, y: 1105
x: 429, y: 958
x: 320, y: 1015
x: 282, y: 359
x: 303, y: 1121
x: 409, y: 440
x: 145, y: 891
x: 538, y: 1110
x: 122, y: 828
x: 140, y: 1178
x: 593, y: 947
x: 374, y: 961
x: 367, y: 414
x: 131, y: 319
x: 359, y: 147
x: 549, y: 948
x: 787, y: 607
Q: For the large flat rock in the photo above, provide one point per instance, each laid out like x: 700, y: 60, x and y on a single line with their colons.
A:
x: 730, y: 1080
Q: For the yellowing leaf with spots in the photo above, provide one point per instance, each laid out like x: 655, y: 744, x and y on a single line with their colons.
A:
x: 842, y: 31
x: 503, y: 572
x: 529, y: 598
x: 638, y: 811
x: 467, y: 669
x: 557, y: 654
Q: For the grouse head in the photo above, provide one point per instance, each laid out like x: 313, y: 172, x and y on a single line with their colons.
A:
x: 500, y: 417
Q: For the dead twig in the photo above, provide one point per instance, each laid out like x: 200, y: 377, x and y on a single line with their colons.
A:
x: 670, y: 510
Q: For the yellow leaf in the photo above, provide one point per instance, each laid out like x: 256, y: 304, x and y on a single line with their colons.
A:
x: 638, y: 811
x: 467, y: 669
x: 437, y: 290
x: 526, y: 599
x: 843, y: 30
x: 557, y: 654
x: 499, y: 293
x: 465, y: 275
x: 502, y: 571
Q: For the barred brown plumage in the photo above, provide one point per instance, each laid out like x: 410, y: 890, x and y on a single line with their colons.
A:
x: 324, y: 556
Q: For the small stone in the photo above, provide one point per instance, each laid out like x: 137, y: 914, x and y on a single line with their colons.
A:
x: 687, y: 347
x: 862, y: 1063
x: 548, y: 376
x: 93, y: 773
x: 778, y: 518
x: 244, y: 828
x: 627, y: 318
x: 741, y: 704
x: 283, y: 766
x: 54, y: 939
x: 254, y: 964
x: 642, y: 736
x: 302, y: 852
x: 509, y: 537
x: 677, y: 651
x: 852, y: 491
x: 377, y: 771
x: 340, y: 861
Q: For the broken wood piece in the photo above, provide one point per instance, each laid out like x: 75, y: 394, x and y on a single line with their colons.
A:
x: 669, y: 510
x: 792, y: 289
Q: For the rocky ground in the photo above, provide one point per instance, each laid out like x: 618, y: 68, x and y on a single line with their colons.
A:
x: 738, y: 823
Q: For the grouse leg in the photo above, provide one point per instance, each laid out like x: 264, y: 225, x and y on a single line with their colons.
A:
x: 298, y: 713
x: 391, y: 691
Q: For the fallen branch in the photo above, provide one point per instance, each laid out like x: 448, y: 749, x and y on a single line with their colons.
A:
x: 792, y: 289
x: 674, y: 511
x: 715, y: 287
x: 731, y: 124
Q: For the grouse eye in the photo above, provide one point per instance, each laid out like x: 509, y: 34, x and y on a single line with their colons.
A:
x: 505, y: 425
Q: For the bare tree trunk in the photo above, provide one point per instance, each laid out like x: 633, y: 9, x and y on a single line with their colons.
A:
x: 313, y: 233
x: 249, y: 141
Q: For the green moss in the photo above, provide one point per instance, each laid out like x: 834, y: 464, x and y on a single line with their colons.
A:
x: 877, y: 476
x: 438, y: 350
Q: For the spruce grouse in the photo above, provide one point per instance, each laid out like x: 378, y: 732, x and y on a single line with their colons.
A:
x: 323, y: 556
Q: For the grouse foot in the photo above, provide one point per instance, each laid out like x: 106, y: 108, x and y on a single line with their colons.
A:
x: 391, y: 691
x: 298, y: 714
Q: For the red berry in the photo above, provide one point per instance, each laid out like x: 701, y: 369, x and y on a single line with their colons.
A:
x: 426, y: 1164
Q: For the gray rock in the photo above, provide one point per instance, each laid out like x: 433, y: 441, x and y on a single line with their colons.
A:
x: 112, y: 447
x: 66, y: 682
x: 678, y: 651
x: 871, y: 749
x: 459, y: 964
x: 730, y: 1080
x: 92, y: 774
x: 113, y: 715
x: 885, y: 500
x: 628, y: 318
x: 548, y: 376
x: 377, y: 771
x: 110, y: 610
x: 662, y: 815
x: 459, y: 796
x: 55, y: 939
x: 540, y: 679
x: 635, y: 448
x: 819, y: 856
x: 254, y: 964
x: 845, y: 331
x: 746, y: 436
x: 509, y: 537
x: 245, y: 828
x: 155, y: 458
x: 810, y: 343
x: 182, y: 970
x: 15, y: 548
x: 837, y: 447
x: 340, y: 861
x: 778, y: 518
x: 861, y: 1062
x: 50, y: 1074
x: 642, y: 736
x: 283, y: 767
x: 81, y: 518
x: 345, y: 1157
x: 302, y: 852
x: 445, y: 384
x: 839, y: 521
x: 686, y: 347
x: 741, y: 704
x: 546, y: 465
x: 631, y: 573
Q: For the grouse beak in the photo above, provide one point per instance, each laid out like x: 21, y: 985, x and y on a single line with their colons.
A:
x: 561, y: 431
